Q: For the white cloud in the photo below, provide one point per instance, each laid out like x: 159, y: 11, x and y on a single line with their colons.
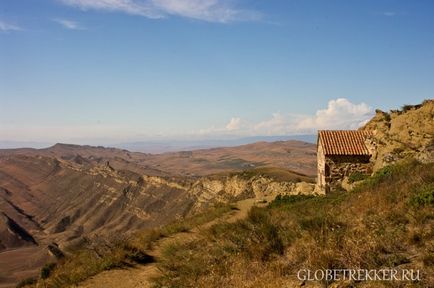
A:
x: 234, y: 124
x: 6, y: 27
x: 278, y: 124
x: 339, y: 114
x: 69, y: 24
x: 389, y: 13
x: 208, y: 10
x: 134, y: 7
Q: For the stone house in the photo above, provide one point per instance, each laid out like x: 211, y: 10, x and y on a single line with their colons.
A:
x: 341, y: 153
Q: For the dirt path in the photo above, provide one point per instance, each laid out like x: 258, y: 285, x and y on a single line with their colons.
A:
x: 141, y: 275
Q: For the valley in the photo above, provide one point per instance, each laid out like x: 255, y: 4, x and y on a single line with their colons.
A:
x: 62, y: 197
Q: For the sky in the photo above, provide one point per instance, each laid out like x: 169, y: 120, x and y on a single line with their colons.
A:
x: 108, y: 71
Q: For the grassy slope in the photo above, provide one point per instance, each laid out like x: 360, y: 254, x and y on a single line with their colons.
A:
x: 119, y: 251
x: 388, y: 221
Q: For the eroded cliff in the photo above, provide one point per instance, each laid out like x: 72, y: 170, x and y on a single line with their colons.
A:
x: 398, y: 134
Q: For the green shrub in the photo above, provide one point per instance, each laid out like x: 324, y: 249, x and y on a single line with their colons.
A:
x: 389, y: 173
x: 174, y: 228
x: 407, y: 107
x: 357, y: 176
x: 288, y: 199
x: 424, y: 196
x: 387, y: 117
x: 384, y: 173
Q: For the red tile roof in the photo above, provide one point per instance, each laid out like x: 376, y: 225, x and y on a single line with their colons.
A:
x: 344, y: 142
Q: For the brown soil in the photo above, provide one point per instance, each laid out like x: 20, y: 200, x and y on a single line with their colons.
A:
x: 20, y: 264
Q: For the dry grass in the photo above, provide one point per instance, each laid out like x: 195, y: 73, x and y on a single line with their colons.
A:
x: 382, y: 223
x: 387, y: 221
x: 100, y: 255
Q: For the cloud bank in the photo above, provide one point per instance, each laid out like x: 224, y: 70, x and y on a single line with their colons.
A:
x: 339, y: 114
x: 221, y: 11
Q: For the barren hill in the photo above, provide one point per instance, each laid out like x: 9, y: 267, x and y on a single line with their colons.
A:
x: 293, y: 155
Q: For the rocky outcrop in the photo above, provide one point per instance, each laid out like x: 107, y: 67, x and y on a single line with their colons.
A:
x: 403, y: 133
x: 236, y: 187
x: 209, y: 190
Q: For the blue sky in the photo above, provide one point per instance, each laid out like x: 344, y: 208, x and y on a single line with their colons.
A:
x: 88, y: 71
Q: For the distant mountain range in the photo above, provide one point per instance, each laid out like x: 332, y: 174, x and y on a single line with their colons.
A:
x: 172, y: 145
x: 188, y: 145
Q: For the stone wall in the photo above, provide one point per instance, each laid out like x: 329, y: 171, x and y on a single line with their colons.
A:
x: 339, y: 167
x: 320, y: 167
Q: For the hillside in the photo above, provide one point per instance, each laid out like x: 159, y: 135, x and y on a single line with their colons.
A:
x: 70, y: 195
x: 399, y: 134
x: 293, y: 155
x: 386, y: 222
